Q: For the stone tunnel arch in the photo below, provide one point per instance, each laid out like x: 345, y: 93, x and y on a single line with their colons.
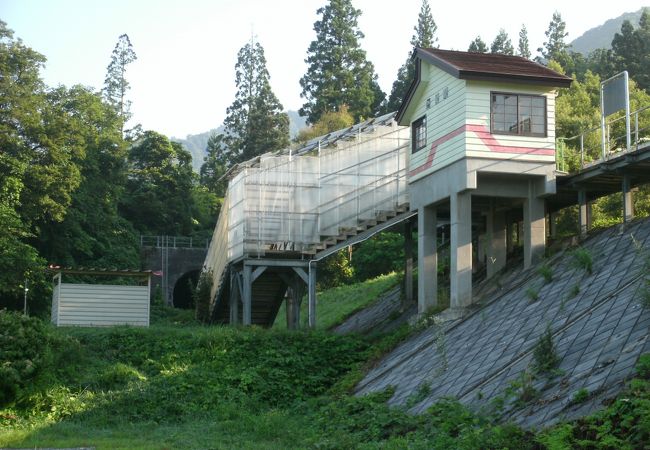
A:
x: 182, y: 294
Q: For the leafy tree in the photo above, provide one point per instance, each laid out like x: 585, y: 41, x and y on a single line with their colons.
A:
x: 601, y: 61
x: 555, y: 46
x: 631, y: 48
x: 330, y: 121
x: 255, y: 123
x: 338, y: 72
x: 37, y: 170
x: 502, y: 44
x: 158, y: 197
x: 92, y: 232
x: 116, y: 85
x: 523, y: 48
x: 215, y: 164
x: 478, y: 46
x: 424, y: 37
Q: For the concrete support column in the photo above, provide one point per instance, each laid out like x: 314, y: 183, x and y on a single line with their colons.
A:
x: 552, y: 223
x: 584, y: 216
x: 247, y: 295
x: 427, y: 259
x: 461, y: 250
x: 534, y: 229
x: 497, y: 246
x: 510, y: 244
x: 408, y: 263
x: 628, y: 200
x: 234, y: 297
x: 297, y: 290
x: 312, y: 295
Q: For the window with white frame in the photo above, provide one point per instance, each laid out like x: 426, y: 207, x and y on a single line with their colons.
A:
x: 419, y: 134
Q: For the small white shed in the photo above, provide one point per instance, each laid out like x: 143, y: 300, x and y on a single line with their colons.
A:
x: 81, y: 304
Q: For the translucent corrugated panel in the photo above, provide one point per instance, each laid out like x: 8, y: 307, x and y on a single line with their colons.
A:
x: 290, y: 203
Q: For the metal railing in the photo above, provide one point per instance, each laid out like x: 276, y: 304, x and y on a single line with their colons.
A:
x: 173, y: 242
x: 586, y: 149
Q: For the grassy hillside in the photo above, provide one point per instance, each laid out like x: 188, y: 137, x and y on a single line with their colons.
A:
x: 336, y: 304
x: 190, y: 386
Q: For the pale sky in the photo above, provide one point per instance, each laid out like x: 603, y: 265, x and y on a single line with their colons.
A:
x: 183, y: 80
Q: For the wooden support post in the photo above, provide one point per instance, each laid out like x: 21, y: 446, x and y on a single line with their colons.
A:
x: 247, y: 294
x: 312, y: 295
x: 628, y: 200
x: 408, y: 263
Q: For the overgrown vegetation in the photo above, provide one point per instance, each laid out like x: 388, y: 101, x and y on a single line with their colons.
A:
x: 582, y: 259
x: 545, y: 357
x: 204, y: 387
x: 337, y: 303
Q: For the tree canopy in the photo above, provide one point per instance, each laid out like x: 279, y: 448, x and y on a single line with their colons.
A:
x: 424, y: 37
x: 338, y: 72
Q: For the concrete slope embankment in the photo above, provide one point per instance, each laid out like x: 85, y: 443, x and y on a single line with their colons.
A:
x: 598, y: 322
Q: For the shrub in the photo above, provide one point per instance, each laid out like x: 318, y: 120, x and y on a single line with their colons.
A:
x: 545, y: 358
x: 582, y: 259
x: 25, y: 348
x: 532, y: 294
x: 546, y: 272
x: 202, y: 296
x: 580, y: 396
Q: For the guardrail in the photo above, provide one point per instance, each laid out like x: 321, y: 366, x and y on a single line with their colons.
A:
x: 173, y: 242
x: 586, y: 149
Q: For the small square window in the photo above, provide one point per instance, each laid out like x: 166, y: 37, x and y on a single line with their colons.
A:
x: 419, y: 134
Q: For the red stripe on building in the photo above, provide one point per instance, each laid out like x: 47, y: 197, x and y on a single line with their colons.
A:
x: 486, y: 138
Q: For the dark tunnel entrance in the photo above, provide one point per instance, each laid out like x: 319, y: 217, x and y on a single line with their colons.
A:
x: 182, y: 297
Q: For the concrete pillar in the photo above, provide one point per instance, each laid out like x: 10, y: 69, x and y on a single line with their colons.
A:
x: 552, y: 223
x: 584, y: 216
x: 247, y: 294
x: 296, y: 292
x: 408, y: 263
x: 497, y: 246
x: 482, y: 248
x: 510, y: 243
x: 234, y: 297
x: 461, y: 250
x: 427, y: 259
x: 312, y: 295
x: 628, y: 200
x: 534, y: 229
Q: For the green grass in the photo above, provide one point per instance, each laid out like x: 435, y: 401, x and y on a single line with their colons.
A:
x: 336, y: 304
x: 192, y: 386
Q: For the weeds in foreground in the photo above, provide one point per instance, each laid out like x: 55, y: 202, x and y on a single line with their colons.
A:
x: 582, y: 259
x: 546, y: 272
x: 545, y: 357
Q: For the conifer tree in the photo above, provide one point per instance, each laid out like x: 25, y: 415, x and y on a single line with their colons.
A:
x: 255, y: 122
x: 424, y: 37
x: 502, y: 44
x: 631, y: 48
x: 338, y: 72
x: 555, y: 47
x: 523, y: 49
x: 478, y: 46
x: 116, y: 85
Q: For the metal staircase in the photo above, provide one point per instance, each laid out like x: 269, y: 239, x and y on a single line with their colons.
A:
x: 284, y: 212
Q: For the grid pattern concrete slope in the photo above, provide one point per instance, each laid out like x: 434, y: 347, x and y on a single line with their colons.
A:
x: 599, y: 334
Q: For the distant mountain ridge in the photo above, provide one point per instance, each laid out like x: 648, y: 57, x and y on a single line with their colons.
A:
x: 602, y: 35
x: 196, y: 144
